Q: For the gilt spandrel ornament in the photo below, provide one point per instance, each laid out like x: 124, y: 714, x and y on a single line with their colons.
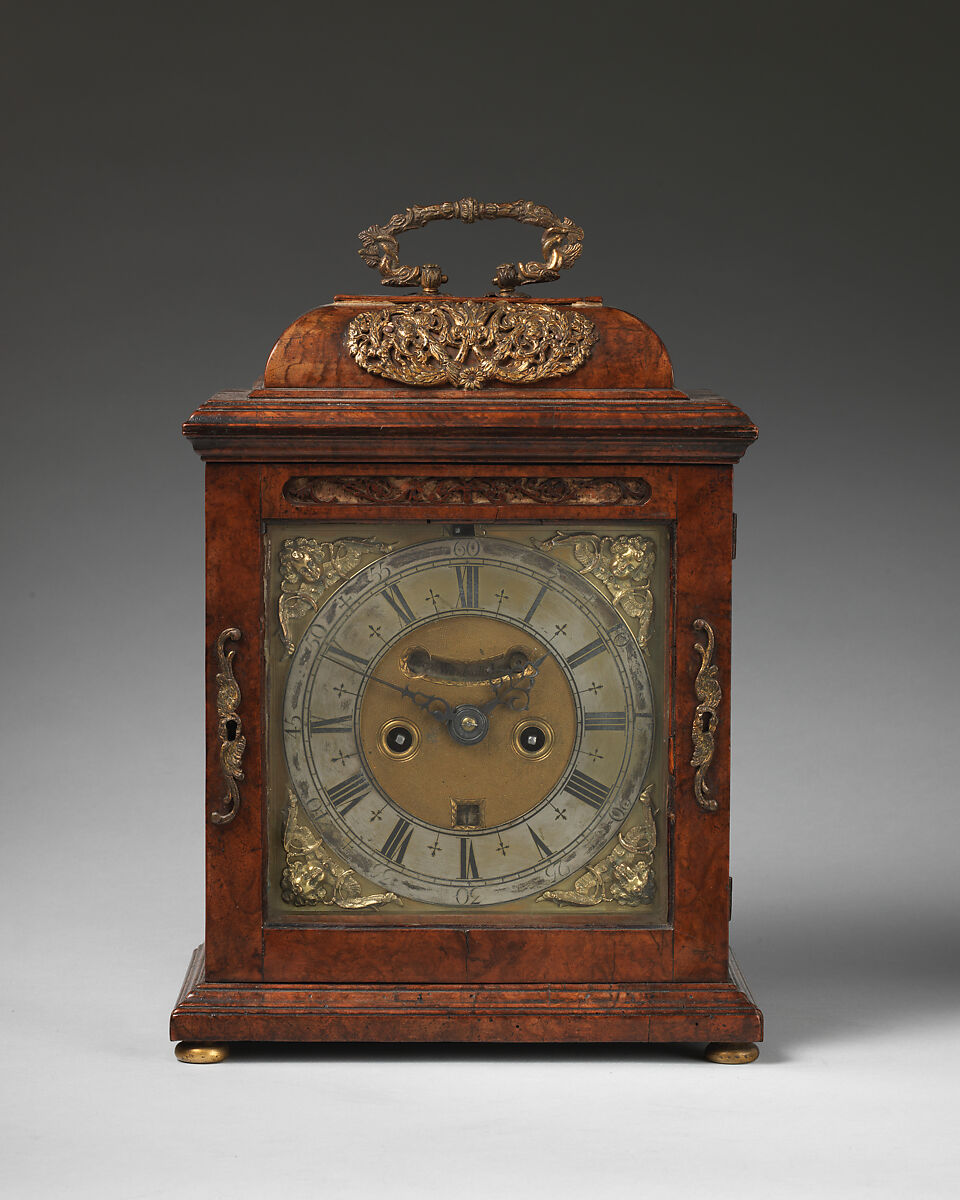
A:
x: 313, y: 876
x: 311, y: 569
x: 622, y: 567
x: 626, y: 875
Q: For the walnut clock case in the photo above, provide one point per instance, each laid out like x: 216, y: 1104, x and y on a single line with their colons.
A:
x: 468, y: 567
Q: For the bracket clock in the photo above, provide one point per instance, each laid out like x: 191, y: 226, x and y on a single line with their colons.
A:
x: 468, y: 569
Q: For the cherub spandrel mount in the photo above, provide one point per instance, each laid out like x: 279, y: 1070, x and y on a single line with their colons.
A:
x: 309, y: 569
x: 625, y: 876
x: 623, y: 565
x: 312, y: 876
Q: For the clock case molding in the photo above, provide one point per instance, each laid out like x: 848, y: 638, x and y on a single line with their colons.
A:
x: 321, y: 439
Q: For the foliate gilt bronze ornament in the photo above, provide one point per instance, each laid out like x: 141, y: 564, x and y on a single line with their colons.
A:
x: 622, y: 566
x: 313, y: 876
x: 309, y: 569
x: 451, y: 489
x: 469, y: 343
x: 624, y: 876
x: 705, y: 718
x: 232, y: 741
x: 561, y: 243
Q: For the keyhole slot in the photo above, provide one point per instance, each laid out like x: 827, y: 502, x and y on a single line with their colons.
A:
x: 230, y: 727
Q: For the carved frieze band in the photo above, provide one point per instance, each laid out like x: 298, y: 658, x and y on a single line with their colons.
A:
x: 705, y: 719
x: 313, y: 876
x: 309, y: 569
x: 621, y: 567
x: 625, y: 876
x: 399, y: 489
x: 229, y: 728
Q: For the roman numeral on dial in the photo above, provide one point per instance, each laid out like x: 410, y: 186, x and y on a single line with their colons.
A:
x: 331, y: 724
x: 585, y: 653
x: 468, y: 584
x: 395, y: 847
x: 586, y: 789
x: 542, y: 848
x: 605, y: 720
x: 345, y: 658
x: 398, y: 602
x: 348, y: 794
x: 468, y: 863
x: 536, y: 604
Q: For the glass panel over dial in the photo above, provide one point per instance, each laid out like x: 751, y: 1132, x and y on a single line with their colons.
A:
x: 467, y: 717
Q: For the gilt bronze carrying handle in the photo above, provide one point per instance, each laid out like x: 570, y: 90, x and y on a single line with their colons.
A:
x: 562, y: 242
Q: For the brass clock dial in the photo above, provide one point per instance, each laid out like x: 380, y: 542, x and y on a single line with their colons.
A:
x: 467, y: 721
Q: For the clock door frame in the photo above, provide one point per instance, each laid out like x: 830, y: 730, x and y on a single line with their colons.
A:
x: 695, y: 498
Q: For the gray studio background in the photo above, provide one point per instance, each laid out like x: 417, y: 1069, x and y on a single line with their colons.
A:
x: 772, y: 187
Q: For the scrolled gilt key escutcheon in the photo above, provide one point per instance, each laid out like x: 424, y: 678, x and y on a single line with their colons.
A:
x: 561, y: 243
x: 229, y: 728
x: 705, y: 719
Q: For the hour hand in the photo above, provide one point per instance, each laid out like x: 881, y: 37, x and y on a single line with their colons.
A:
x: 436, y: 706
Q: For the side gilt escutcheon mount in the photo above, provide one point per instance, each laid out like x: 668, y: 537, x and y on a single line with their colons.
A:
x: 705, y: 719
x: 229, y: 728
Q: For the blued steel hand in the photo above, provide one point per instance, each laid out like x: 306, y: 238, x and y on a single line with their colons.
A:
x: 517, y: 692
x: 436, y: 706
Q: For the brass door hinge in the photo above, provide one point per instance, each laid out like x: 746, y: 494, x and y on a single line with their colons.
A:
x: 734, y: 548
x: 729, y: 898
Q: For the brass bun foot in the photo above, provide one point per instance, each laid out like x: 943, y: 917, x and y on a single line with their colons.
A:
x: 735, y: 1053
x: 193, y: 1052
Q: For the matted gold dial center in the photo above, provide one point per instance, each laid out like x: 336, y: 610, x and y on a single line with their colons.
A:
x: 469, y: 680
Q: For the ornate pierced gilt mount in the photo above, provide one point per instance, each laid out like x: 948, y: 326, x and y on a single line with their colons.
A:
x: 622, y: 567
x: 469, y: 343
x: 232, y: 741
x: 705, y: 719
x: 626, y: 875
x: 313, y: 876
x: 310, y: 569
